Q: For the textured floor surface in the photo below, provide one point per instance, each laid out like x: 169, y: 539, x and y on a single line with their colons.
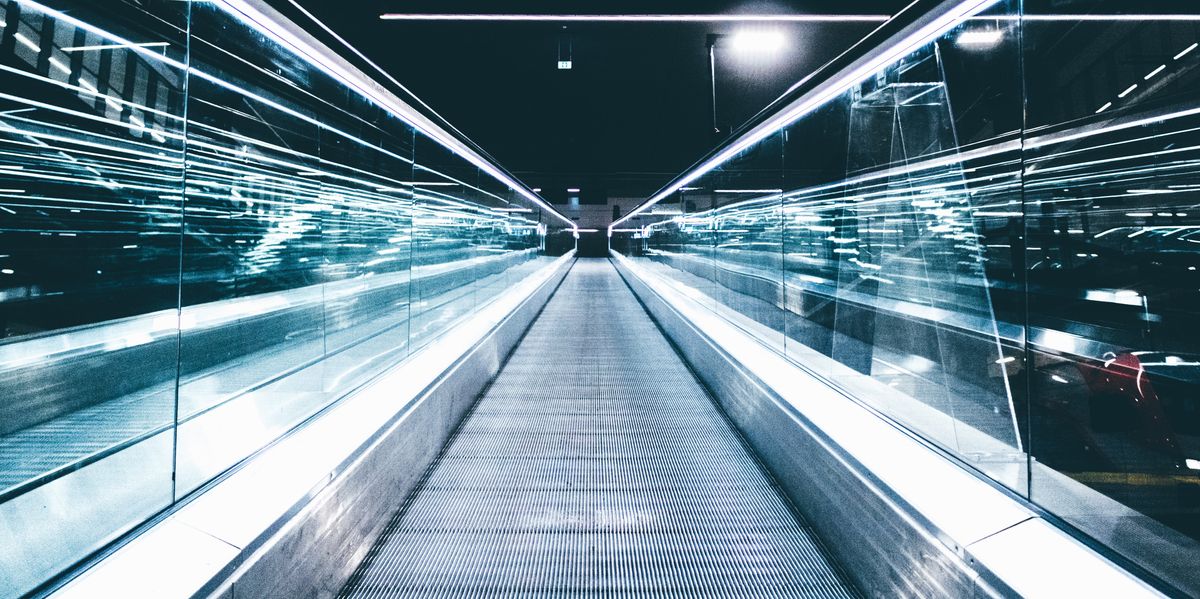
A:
x: 596, y: 465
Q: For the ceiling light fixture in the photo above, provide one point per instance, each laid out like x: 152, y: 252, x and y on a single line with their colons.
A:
x: 757, y: 42
x: 655, y: 18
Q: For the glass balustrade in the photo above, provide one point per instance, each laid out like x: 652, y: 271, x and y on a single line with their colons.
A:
x: 992, y: 241
x: 207, y: 235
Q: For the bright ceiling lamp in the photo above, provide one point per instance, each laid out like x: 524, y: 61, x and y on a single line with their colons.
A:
x: 757, y: 42
x: 979, y: 38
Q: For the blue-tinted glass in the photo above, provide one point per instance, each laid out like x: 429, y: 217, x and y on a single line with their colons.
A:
x: 193, y: 262
x: 855, y: 241
x: 253, y: 294
x: 91, y: 169
x: 991, y: 242
x: 1110, y: 191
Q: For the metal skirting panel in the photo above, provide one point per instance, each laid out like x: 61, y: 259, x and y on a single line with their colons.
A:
x: 596, y: 465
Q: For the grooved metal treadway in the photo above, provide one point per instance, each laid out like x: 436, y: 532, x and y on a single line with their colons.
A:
x: 596, y: 465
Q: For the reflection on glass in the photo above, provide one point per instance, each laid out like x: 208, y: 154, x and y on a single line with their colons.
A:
x: 990, y: 241
x: 1110, y: 261
x: 91, y: 168
x: 868, y: 259
x: 206, y: 240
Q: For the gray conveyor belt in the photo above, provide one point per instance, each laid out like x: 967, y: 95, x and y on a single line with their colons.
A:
x: 596, y: 465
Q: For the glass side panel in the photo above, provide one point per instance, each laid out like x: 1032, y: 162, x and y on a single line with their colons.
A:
x: 506, y: 240
x: 487, y: 237
x: 91, y: 166
x: 889, y: 256
x: 254, y: 246
x: 204, y: 240
x: 446, y: 263
x: 1111, y: 191
x: 366, y: 242
x: 991, y: 241
x: 853, y: 240
x: 723, y: 232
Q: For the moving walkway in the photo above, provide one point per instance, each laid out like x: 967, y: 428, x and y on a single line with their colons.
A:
x: 273, y: 328
x: 595, y: 464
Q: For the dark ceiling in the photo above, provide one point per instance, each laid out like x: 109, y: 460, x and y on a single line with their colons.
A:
x: 632, y: 112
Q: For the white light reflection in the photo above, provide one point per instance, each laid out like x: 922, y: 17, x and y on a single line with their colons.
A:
x: 757, y: 42
x: 979, y: 38
x: 1126, y: 297
x: 116, y: 46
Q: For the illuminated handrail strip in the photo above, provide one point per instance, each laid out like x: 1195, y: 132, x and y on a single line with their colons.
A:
x: 965, y: 11
x: 842, y: 81
x: 330, y: 63
x: 768, y: 18
x: 276, y: 27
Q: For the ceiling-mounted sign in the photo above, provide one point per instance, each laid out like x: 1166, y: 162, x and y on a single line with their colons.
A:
x: 564, y: 65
